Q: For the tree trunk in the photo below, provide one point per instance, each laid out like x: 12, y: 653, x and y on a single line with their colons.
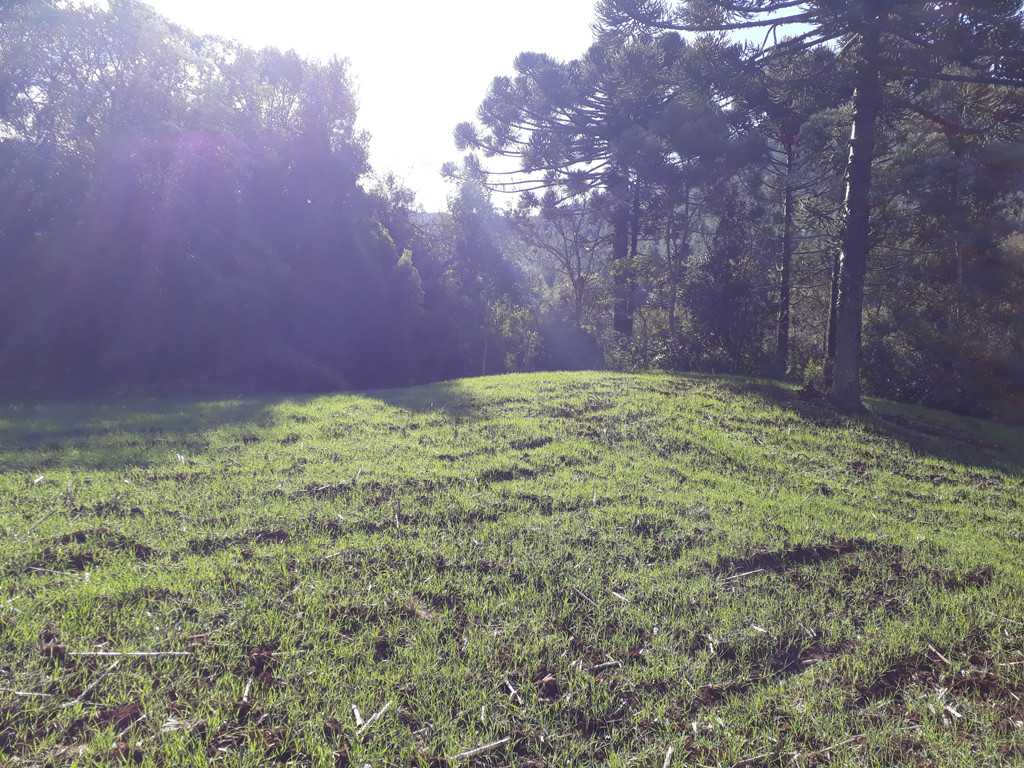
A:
x: 673, y: 279
x: 622, y: 319
x: 833, y: 315
x: 634, y: 244
x: 855, y: 240
x: 578, y: 304
x: 786, y: 282
x: 622, y: 311
x: 645, y: 347
x: 678, y: 251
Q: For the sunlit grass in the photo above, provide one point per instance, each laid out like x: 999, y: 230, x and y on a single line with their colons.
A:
x: 549, y: 569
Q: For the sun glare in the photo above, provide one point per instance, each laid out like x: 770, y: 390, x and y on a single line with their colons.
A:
x: 420, y: 68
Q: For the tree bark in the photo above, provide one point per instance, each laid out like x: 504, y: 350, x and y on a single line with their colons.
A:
x: 786, y: 282
x: 578, y: 304
x: 673, y: 281
x: 833, y: 315
x: 634, y: 246
x: 855, y: 239
x: 833, y: 320
x: 622, y: 320
x: 622, y: 311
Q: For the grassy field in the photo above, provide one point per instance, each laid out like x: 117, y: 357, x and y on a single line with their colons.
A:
x: 529, y: 570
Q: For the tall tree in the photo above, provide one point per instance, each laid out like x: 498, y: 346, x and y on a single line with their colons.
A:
x: 629, y: 118
x: 552, y: 119
x: 782, y: 97
x: 179, y: 208
x: 889, y: 41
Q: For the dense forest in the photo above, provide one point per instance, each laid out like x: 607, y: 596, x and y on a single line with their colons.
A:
x: 831, y: 192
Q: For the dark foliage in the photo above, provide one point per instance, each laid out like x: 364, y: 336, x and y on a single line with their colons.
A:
x: 183, y: 214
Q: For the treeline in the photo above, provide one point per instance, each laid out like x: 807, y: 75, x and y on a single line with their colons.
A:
x: 179, y: 213
x: 838, y: 199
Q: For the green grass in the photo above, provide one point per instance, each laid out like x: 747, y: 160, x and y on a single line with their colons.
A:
x: 567, y: 569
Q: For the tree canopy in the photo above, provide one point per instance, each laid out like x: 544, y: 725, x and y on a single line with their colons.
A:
x: 903, y: 47
x: 825, y: 191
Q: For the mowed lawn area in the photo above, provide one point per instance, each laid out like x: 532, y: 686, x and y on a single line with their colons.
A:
x: 529, y: 570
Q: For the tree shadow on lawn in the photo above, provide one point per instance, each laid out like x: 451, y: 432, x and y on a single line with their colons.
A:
x: 947, y: 436
x: 143, y: 432
x: 96, y: 436
x: 91, y: 435
x: 977, y: 443
x: 455, y: 400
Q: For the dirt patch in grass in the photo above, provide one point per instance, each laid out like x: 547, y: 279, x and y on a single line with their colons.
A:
x: 786, y: 658
x: 503, y: 475
x: 542, y: 504
x: 120, y: 718
x: 755, y: 668
x: 82, y: 549
x: 647, y: 525
x: 672, y: 548
x: 965, y: 674
x: 530, y: 444
x: 784, y: 559
x: 977, y: 577
x: 106, y: 539
x: 324, y: 491
x: 210, y: 544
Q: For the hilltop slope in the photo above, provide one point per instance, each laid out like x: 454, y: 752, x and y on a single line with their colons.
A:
x: 552, y: 569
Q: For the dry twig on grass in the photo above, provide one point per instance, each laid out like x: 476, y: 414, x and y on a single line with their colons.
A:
x: 481, y: 750
x: 741, y: 575
x: 129, y: 653
x: 374, y: 717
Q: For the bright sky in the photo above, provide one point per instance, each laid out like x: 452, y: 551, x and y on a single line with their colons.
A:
x: 420, y: 67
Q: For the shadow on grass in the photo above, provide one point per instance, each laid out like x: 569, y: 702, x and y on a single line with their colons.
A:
x: 947, y: 436
x: 971, y: 442
x: 108, y: 436
x: 451, y: 398
x: 141, y: 433
x: 467, y: 400
x: 114, y: 435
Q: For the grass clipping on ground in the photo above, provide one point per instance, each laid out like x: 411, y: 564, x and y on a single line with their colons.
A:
x: 530, y: 570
